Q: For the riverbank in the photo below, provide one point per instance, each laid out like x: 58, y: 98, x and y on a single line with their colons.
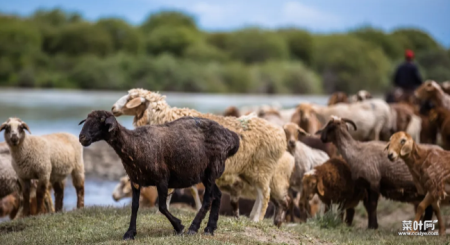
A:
x: 106, y: 225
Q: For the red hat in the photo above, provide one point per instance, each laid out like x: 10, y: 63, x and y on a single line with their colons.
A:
x: 409, y: 54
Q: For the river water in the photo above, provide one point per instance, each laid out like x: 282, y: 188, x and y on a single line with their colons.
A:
x: 51, y: 111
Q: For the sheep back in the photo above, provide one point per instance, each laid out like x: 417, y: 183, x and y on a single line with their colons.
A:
x: 8, y: 177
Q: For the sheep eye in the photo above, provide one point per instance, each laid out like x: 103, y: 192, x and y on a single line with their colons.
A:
x: 102, y: 119
x: 402, y: 141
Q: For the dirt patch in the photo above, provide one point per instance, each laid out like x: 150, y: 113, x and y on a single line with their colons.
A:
x: 278, y: 237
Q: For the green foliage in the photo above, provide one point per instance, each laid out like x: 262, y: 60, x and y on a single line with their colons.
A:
x: 416, y: 40
x: 174, y: 40
x: 347, y: 63
x: 59, y: 49
x: 436, y: 65
x: 124, y: 37
x: 168, y: 19
x: 377, y: 37
x: 255, y: 45
x: 300, y: 44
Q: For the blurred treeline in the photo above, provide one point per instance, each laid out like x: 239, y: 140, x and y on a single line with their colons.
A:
x: 168, y: 52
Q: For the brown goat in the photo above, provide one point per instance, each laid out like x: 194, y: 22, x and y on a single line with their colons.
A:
x: 440, y: 117
x: 404, y: 114
x: 430, y: 169
x: 446, y: 87
x: 333, y: 183
x: 338, y: 97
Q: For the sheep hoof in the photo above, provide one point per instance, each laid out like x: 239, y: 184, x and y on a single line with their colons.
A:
x: 191, y: 232
x: 209, y: 232
x: 129, y: 235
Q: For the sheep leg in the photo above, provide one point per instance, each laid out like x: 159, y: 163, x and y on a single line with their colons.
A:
x: 131, y: 232
x: 41, y: 190
x: 437, y: 211
x: 58, y: 187
x: 26, y: 188
x: 78, y: 182
x: 234, y: 202
x: 422, y: 206
x: 255, y: 206
x: 280, y: 212
x: 371, y: 203
x: 207, y: 199
x: 162, y: 194
x: 194, y: 193
x: 349, y: 214
x: 214, y: 213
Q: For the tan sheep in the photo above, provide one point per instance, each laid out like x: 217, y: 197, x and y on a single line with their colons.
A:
x: 430, y: 170
x: 48, y: 158
x: 262, y: 144
x: 306, y: 118
x: 431, y: 91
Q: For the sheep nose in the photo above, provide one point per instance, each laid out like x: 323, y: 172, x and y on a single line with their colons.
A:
x: 391, y: 156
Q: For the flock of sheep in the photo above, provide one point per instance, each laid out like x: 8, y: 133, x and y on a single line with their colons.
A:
x: 354, y: 149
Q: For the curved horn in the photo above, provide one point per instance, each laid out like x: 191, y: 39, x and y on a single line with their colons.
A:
x: 82, y: 121
x: 350, y: 122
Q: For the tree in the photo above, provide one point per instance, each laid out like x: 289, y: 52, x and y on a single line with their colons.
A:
x: 391, y: 47
x: 255, y: 45
x: 124, y: 37
x: 168, y: 19
x: 173, y: 40
x: 436, y: 64
x: 300, y: 44
x: 415, y: 39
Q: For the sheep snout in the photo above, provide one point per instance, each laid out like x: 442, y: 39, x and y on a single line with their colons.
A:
x: 84, y: 140
x: 392, y: 156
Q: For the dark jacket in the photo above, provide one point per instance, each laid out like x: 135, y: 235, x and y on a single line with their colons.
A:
x: 407, y: 76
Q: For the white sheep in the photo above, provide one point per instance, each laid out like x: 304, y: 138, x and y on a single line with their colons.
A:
x: 371, y: 116
x: 48, y: 158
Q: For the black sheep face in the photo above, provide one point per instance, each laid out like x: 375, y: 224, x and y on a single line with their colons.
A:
x: 97, y: 126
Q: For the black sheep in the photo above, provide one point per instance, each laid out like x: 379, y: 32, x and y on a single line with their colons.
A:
x: 177, y: 154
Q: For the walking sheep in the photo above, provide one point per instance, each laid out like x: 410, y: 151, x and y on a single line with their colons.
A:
x: 177, y: 154
x: 430, y: 169
x: 48, y: 158
x: 370, y: 168
x: 262, y: 144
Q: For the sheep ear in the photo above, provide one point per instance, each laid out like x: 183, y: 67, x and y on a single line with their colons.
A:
x: 111, y: 122
x: 302, y: 132
x: 25, y: 126
x: 3, y: 126
x: 320, y: 187
x: 407, y: 148
x: 134, y: 103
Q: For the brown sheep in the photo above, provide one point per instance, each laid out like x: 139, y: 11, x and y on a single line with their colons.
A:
x: 446, y: 87
x: 232, y: 111
x: 431, y: 91
x: 440, y: 117
x: 305, y: 117
x: 338, y: 97
x: 430, y: 169
x: 332, y: 182
x: 176, y: 154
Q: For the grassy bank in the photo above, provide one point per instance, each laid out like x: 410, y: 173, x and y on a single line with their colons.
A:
x: 99, y: 225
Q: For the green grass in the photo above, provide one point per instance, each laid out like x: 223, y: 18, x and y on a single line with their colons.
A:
x: 106, y: 225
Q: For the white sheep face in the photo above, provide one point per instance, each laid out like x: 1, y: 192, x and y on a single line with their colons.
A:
x: 14, y: 131
x: 128, y: 106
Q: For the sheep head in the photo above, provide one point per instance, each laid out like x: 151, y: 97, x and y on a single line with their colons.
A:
x: 123, y: 189
x: 363, y: 95
x: 14, y: 131
x: 304, y: 113
x: 232, y: 111
x: 327, y: 134
x: 400, y: 145
x: 293, y: 131
x: 338, y: 97
x: 428, y: 90
x: 131, y: 104
x: 97, y: 126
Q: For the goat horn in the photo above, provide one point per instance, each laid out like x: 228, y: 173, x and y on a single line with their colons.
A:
x: 82, y: 121
x: 349, y: 121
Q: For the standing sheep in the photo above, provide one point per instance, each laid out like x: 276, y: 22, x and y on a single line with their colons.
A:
x: 332, y: 181
x: 371, y: 169
x: 48, y: 158
x: 430, y: 169
x: 177, y: 154
x: 262, y: 144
